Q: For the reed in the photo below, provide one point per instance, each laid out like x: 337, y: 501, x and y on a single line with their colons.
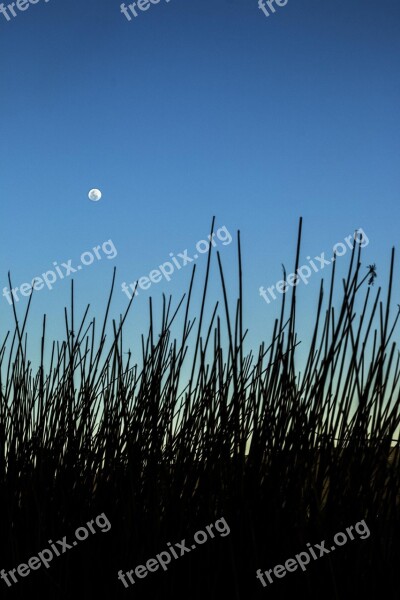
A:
x: 286, y: 457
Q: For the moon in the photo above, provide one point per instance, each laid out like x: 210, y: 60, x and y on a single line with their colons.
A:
x: 94, y: 195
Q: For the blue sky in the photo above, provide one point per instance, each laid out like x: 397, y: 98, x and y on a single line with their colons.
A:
x: 190, y: 110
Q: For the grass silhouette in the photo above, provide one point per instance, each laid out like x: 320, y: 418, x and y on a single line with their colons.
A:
x: 285, y: 458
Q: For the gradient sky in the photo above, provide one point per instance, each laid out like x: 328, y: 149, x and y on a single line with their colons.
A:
x: 193, y: 109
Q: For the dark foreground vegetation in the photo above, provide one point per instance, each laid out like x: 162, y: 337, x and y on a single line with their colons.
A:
x: 164, y: 448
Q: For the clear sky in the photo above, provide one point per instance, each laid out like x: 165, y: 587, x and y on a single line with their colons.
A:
x: 195, y: 108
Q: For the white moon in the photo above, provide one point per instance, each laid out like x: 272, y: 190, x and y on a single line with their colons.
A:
x: 94, y: 195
